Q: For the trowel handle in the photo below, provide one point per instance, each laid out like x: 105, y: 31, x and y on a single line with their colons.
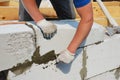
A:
x: 111, y: 20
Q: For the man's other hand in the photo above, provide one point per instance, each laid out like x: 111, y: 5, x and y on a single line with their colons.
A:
x: 47, y: 28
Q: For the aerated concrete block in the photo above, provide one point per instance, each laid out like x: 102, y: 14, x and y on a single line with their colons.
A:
x: 16, y: 45
x: 104, y: 56
x: 109, y: 75
x: 65, y: 33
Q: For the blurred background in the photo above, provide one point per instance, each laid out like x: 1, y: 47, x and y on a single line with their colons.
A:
x: 9, y: 10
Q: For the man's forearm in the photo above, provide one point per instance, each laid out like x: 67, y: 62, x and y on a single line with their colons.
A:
x: 84, y: 27
x: 81, y: 33
x: 32, y: 9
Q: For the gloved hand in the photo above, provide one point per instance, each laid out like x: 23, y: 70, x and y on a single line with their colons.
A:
x: 66, y: 56
x: 47, y: 28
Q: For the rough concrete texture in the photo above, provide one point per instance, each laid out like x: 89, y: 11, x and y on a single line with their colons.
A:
x: 65, y: 33
x: 17, y: 44
x: 95, y: 62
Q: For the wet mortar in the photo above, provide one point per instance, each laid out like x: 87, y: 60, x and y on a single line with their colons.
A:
x: 83, y: 71
x: 36, y: 58
x: 117, y: 73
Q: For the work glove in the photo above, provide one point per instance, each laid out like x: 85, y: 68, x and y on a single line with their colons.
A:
x: 47, y: 28
x: 66, y: 56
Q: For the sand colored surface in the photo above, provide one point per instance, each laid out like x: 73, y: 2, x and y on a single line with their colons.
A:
x: 99, y: 17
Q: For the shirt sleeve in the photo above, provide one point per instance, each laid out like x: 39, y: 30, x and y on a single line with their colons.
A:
x: 80, y: 3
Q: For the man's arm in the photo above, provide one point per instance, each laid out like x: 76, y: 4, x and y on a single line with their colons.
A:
x: 32, y: 9
x: 47, y: 28
x: 84, y: 27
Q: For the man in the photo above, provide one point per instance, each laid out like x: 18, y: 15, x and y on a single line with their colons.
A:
x: 64, y: 9
x: 84, y: 9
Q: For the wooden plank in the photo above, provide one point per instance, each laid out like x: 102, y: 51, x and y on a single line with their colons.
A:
x: 8, y: 13
x: 110, y: 3
x: 4, y: 0
x: 4, y: 3
x: 11, y: 12
x: 104, y: 21
x: 14, y: 3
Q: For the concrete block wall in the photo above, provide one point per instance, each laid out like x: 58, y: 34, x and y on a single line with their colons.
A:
x: 89, y: 64
x: 90, y: 61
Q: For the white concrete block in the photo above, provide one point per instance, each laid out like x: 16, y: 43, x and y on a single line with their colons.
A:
x: 109, y: 75
x: 97, y: 34
x: 60, y: 41
x: 103, y: 57
x: 16, y: 45
x: 53, y: 71
x: 65, y: 33
x: 88, y: 64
